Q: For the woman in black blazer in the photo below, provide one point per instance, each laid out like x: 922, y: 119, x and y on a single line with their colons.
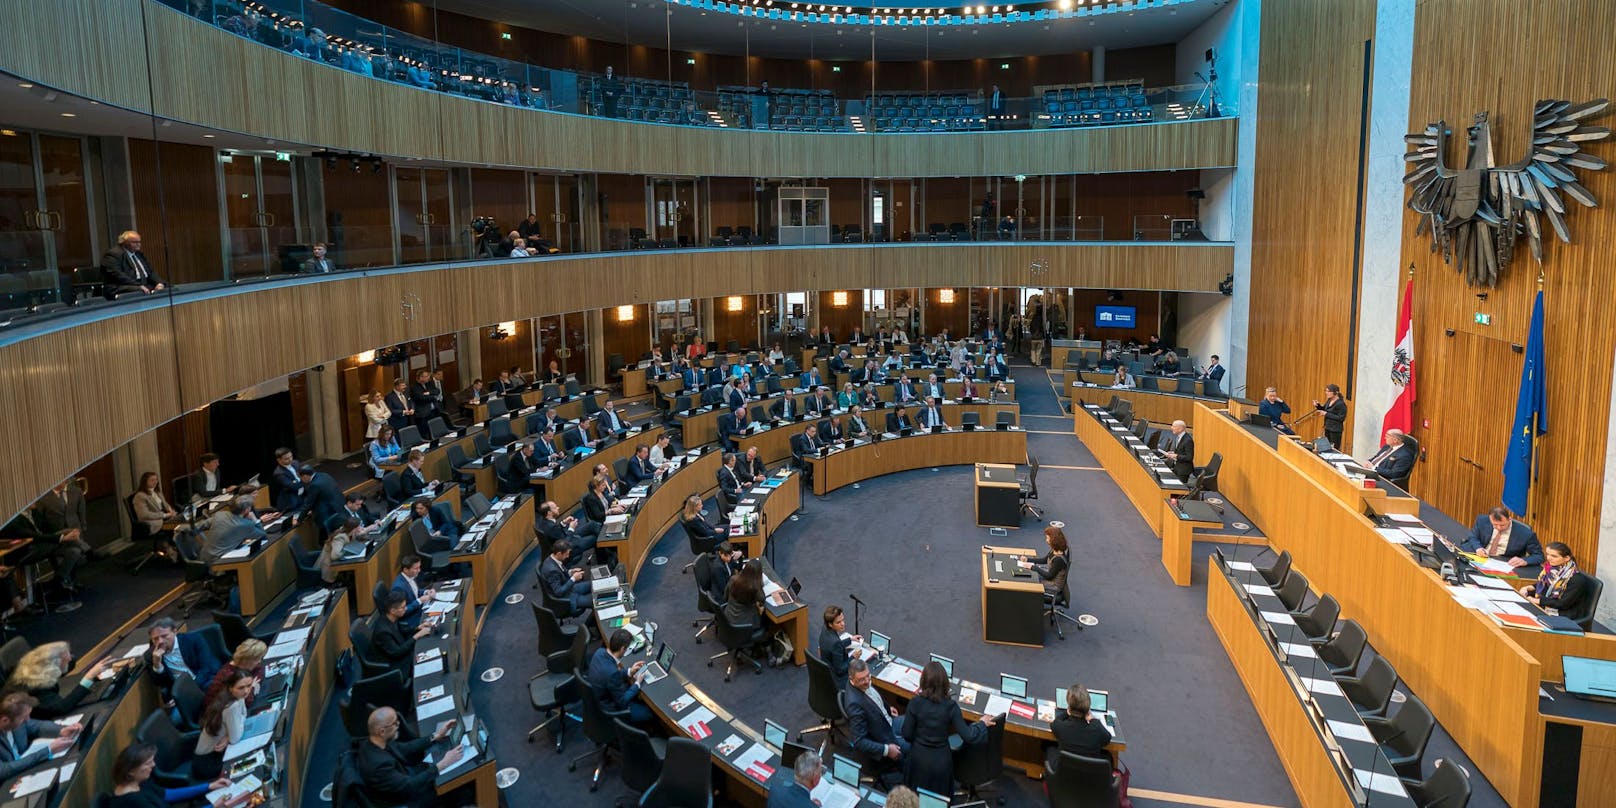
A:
x: 932, y: 717
x: 1053, y: 565
x: 697, y: 525
x: 598, y: 504
x: 1559, y: 587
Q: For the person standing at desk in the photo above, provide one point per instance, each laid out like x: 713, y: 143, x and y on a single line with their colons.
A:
x: 1077, y: 730
x: 834, y: 649
x: 1497, y: 534
x: 1559, y: 587
x: 1335, y: 414
x: 1178, y: 446
x: 932, y: 717
x: 1052, y: 566
x: 1275, y: 409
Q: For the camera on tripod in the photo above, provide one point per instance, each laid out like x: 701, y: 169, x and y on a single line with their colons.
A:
x: 485, y: 237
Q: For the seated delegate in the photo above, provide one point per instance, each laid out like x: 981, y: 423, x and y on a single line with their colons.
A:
x: 1076, y: 729
x: 21, y: 729
x: 1560, y: 588
x: 1497, y: 534
x: 132, y: 786
x: 395, y: 772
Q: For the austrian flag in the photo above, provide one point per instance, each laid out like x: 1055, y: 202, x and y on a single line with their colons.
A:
x: 1400, y: 415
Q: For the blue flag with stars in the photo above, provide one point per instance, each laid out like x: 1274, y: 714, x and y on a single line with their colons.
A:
x: 1531, y: 417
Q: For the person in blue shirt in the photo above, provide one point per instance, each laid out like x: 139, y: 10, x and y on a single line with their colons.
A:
x: 613, y: 685
x: 1276, y: 409
x: 384, y: 449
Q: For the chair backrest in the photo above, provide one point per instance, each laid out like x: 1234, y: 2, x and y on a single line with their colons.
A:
x: 822, y: 690
x: 729, y: 635
x: 1592, y: 588
x: 597, y: 720
x: 159, y: 730
x: 482, y: 444
x: 382, y: 690
x: 1032, y: 474
x: 420, y: 535
x: 456, y: 455
x: 1005, y: 417
x: 1293, y: 590
x: 379, y: 592
x: 686, y: 779
x: 1345, y: 649
x: 703, y: 574
x: 499, y: 432
x: 1447, y: 787
x: 1373, y: 690
x: 572, y: 388
x: 11, y: 653
x: 234, y: 627
x: 188, y: 699
x: 1280, y: 570
x: 983, y: 761
x: 1412, y: 724
x: 551, y: 637
x: 641, y: 766
x: 1318, y: 621
x: 477, y: 504
x: 408, y: 437
x: 496, y: 407
x: 393, y: 487
x: 1082, y: 780
x: 438, y: 427
x: 971, y: 418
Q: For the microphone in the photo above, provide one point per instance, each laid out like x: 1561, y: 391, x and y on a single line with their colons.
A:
x: 858, y: 608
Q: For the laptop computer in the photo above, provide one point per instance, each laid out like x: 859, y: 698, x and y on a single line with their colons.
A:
x: 658, y: 668
x: 881, y: 643
x: 948, y: 664
x: 1591, y: 679
x: 845, y: 770
x: 1013, y: 686
x: 1258, y: 419
x: 931, y: 799
x: 774, y: 734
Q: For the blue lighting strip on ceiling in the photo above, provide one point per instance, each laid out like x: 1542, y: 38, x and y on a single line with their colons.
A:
x: 920, y: 13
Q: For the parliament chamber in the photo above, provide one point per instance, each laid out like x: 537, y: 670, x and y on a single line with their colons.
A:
x: 764, y: 403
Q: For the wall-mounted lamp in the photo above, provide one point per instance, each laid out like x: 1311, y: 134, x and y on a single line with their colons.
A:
x: 625, y: 314
x: 734, y: 303
x: 366, y: 357
x: 838, y: 299
x: 945, y: 295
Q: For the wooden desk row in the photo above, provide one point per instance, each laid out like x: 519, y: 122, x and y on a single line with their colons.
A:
x: 455, y: 639
x: 1071, y: 379
x: 1156, y: 407
x: 381, y: 565
x: 1438, y: 646
x: 569, y: 485
x: 920, y: 450
x: 570, y: 409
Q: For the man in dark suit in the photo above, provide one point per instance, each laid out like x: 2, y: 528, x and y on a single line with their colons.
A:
x: 692, y: 378
x: 399, y: 411
x: 785, y: 409
x: 899, y: 420
x: 1178, y: 447
x: 722, y: 564
x: 795, y: 791
x: 318, y: 262
x: 545, y: 449
x: 563, y: 582
x: 576, y: 437
x: 1395, y: 459
x: 423, y: 400
x: 904, y: 391
x: 826, y: 337
x: 733, y: 397
x: 607, y: 421
x: 729, y: 480
x: 810, y: 379
x: 869, y: 721
x: 412, y: 478
x: 804, y: 446
x: 19, y: 729
x: 857, y: 337
x: 1215, y: 370
x: 933, y: 388
x: 392, y: 637
x: 580, y: 536
x: 415, y: 596
x: 838, y: 363
x: 820, y: 403
x: 206, y: 482
x: 751, y: 466
x: 996, y: 367
x: 640, y: 468
x: 996, y: 116
x: 353, y: 506
x: 613, y: 685
x: 394, y: 772
x: 62, y: 510
x: 124, y: 268
x: 504, y: 384
x: 1497, y: 534
x: 285, y: 486
x: 932, y: 414
x: 321, y: 494
x: 730, y: 425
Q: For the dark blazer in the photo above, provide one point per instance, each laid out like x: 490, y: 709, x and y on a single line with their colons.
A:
x: 574, y: 437
x: 21, y: 736
x: 729, y: 483
x: 639, y: 470
x: 1335, y: 415
x: 829, y: 431
x: 323, y: 496
x: 895, y: 423
x: 904, y: 392
x: 833, y: 652
x: 1215, y: 372
x: 927, y: 726
x: 608, y: 421
x: 803, y: 446
x: 1399, y: 464
x: 1523, y: 542
x: 857, y: 426
x: 522, y: 467
x: 413, y: 480
x: 718, y: 571
x: 54, y: 702
x: 1072, y: 734
x: 1184, y: 466
x: 785, y: 407
x: 595, y: 508
x: 786, y: 792
x: 397, y: 403
x: 397, y: 775
x: 391, y: 642
x: 869, y: 729
x: 54, y: 515
x: 557, y: 579
x: 750, y: 467
x: 929, y: 418
x: 814, y: 405
x: 728, y: 428
x: 199, y: 484
x: 1275, y: 410
x: 735, y: 399
x: 120, y: 268
x: 810, y: 380
x: 424, y: 398
x: 610, y: 681
x: 412, y: 603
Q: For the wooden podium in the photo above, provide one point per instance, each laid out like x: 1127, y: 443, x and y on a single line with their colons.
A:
x: 998, y: 496
x: 1012, y: 607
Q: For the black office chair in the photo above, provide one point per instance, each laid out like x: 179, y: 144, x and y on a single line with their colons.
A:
x: 307, y: 564
x: 553, y: 636
x: 1447, y: 787
x: 1403, y: 736
x: 980, y: 763
x: 437, y: 428
x: 1055, y: 606
x: 456, y: 455
x: 359, y: 633
x: 1276, y: 572
x: 499, y: 432
x: 391, y: 689
x: 496, y: 408
x: 174, y: 749
x: 236, y: 631
x: 600, y: 727
x: 1371, y: 692
x: 1005, y: 417
x: 392, y: 489
x: 970, y: 420
x: 11, y: 653
x: 139, y: 534
x: 1153, y: 440
x: 346, y: 791
x: 1318, y: 621
x: 551, y: 690
x: 1343, y: 652
x: 481, y: 444
x: 507, y: 482
x: 409, y: 437
x: 738, y: 642
x: 1592, y: 588
x: 823, y: 700
x: 1029, y: 490
x: 1293, y: 591
x: 642, y: 757
x: 1141, y: 428
x: 686, y: 779
x: 206, y: 588
x: 1082, y: 780
x: 189, y: 702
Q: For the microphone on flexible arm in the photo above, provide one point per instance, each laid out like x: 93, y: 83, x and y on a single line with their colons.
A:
x: 858, y: 608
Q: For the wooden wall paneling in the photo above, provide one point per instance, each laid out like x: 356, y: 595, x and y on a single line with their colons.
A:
x: 629, y: 339
x: 1154, y: 197
x: 954, y: 316
x: 841, y: 319
x: 500, y: 194
x: 1081, y: 313
x: 1578, y: 286
x: 740, y: 326
x: 515, y: 350
x: 65, y: 60
x: 176, y: 209
x: 180, y: 445
x: 358, y: 216
x: 1304, y: 209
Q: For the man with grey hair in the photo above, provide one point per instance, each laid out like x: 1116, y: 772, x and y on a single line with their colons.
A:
x: 805, y: 776
x: 1178, y: 446
x: 229, y: 529
x: 1395, y: 460
x: 870, y: 720
x: 124, y: 268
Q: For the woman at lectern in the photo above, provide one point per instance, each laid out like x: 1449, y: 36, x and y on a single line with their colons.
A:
x: 1052, y: 566
x: 1559, y: 587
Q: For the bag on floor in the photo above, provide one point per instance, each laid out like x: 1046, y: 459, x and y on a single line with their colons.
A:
x: 781, y: 648
x: 1122, y: 776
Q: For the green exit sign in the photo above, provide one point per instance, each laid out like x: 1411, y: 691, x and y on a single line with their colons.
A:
x: 1483, y: 319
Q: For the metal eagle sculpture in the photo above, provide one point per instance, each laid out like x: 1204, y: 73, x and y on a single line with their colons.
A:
x: 1475, y: 213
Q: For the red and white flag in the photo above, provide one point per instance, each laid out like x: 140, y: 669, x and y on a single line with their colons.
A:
x: 1400, y: 415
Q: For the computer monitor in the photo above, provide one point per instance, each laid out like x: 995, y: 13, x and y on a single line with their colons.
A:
x: 1013, y: 686
x: 665, y: 658
x: 1060, y: 698
x: 948, y: 664
x: 1589, y: 678
x: 844, y: 770
x: 1099, y: 700
x: 791, y: 751
x: 774, y: 734
x: 880, y: 642
x: 931, y: 799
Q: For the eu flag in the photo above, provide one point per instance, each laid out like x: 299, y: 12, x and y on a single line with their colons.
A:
x: 1531, y: 416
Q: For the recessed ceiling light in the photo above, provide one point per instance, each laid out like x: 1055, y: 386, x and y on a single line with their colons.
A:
x: 209, y: 137
x: 25, y: 85
x: 69, y: 115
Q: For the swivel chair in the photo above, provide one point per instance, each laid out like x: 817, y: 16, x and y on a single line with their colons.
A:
x: 553, y: 636
x: 1082, y: 780
x: 600, y: 727
x: 1055, y: 606
x: 737, y: 641
x: 1029, y: 490
x: 642, y: 757
x: 551, y: 690
x: 823, y: 700
x: 1447, y: 787
x: 686, y: 778
x: 174, y: 749
x: 980, y: 763
x: 1403, y: 736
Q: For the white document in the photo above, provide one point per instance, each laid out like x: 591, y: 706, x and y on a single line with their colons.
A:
x: 756, y: 753
x: 831, y: 794
x: 998, y: 704
x: 700, y: 715
x: 239, y: 552
x: 1495, y: 565
x: 467, y: 752
x: 1423, y: 535
x: 434, y: 708
x: 429, y: 667
x: 1259, y: 589
x: 284, y: 649
x: 1380, y: 781
x: 612, y: 612
x: 1393, y: 535
x: 1471, y: 598
x: 245, y: 785
x: 1505, y: 596
x: 37, y: 781
x: 446, y: 596
x: 1243, y: 566
x: 1511, y: 608
x: 247, y: 746
x: 1296, y: 649
x: 1488, y: 582
x: 299, y: 634
x: 136, y: 651
x: 1279, y: 618
x: 1405, y: 518
x: 760, y: 490
x: 430, y: 693
x: 1325, y: 686
x: 1354, y: 732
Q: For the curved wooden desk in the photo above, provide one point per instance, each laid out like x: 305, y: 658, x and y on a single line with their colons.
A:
x: 920, y: 450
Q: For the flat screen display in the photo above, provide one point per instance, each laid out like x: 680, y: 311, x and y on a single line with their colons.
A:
x: 1115, y: 316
